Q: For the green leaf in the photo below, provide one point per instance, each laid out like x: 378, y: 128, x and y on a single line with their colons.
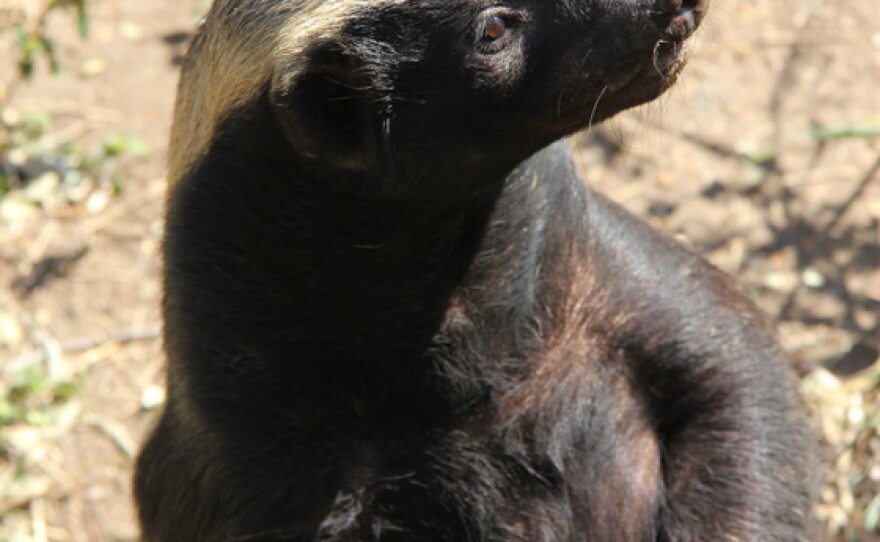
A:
x: 138, y: 147
x: 83, y: 21
x: 48, y: 47
x: 7, y: 412
x: 26, y: 66
x: 116, y: 181
x: 123, y: 144
x: 824, y: 133
x: 21, y: 38
x: 872, y: 514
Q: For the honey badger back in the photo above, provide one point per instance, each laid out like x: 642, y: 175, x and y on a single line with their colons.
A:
x: 393, y: 312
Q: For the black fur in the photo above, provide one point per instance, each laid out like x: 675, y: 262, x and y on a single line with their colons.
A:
x: 400, y: 334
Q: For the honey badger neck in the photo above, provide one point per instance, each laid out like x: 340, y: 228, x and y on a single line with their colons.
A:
x: 253, y: 230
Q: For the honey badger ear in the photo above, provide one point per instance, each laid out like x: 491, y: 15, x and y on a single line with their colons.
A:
x: 326, y: 112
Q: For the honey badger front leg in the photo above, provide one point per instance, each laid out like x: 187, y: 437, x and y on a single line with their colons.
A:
x: 737, y: 462
x: 660, y: 400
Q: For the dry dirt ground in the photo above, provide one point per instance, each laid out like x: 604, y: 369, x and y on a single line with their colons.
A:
x: 765, y: 158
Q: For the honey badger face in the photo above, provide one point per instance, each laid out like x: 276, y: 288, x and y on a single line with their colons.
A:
x: 400, y: 91
x: 476, y: 79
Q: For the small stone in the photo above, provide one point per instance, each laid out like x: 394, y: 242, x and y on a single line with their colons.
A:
x: 21, y: 438
x: 780, y: 281
x: 856, y: 415
x: 153, y: 397
x: 97, y: 202
x: 812, y: 278
x: 42, y: 188
x: 10, y: 116
x: 17, y: 157
x: 131, y: 31
x: 93, y: 67
x: 11, y: 333
x: 77, y: 187
x: 16, y: 209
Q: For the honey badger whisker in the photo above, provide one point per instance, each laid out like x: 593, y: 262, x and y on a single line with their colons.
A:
x: 587, y: 56
x: 394, y: 312
x: 595, y: 107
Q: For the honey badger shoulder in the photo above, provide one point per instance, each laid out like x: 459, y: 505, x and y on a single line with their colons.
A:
x: 393, y: 312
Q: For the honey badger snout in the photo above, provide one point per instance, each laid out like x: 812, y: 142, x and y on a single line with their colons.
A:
x: 680, y: 18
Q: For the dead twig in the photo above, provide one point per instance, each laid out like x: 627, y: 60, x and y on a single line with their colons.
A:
x: 115, y: 431
x: 78, y: 346
x: 854, y: 197
x: 124, y: 336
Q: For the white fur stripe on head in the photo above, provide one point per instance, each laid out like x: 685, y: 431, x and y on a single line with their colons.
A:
x: 243, y: 47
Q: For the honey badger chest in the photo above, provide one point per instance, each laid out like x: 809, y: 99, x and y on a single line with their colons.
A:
x: 394, y: 313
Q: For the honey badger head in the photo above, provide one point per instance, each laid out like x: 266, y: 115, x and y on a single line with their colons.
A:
x: 394, y: 89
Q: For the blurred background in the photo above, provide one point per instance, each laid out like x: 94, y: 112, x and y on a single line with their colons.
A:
x: 765, y: 158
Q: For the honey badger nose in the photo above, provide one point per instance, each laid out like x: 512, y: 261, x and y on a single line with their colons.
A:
x: 682, y: 17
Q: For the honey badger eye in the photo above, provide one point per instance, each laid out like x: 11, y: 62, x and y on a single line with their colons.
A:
x: 494, y: 28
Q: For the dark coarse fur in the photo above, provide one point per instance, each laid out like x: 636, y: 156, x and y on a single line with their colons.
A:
x: 390, y: 315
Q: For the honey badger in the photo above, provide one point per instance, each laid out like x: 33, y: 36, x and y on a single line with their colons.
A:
x: 393, y: 312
